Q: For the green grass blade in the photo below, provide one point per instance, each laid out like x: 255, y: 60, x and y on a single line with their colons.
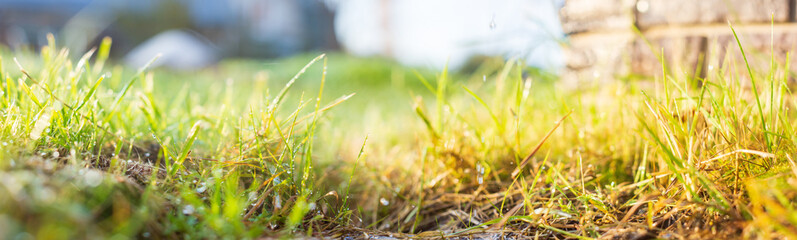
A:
x: 290, y: 83
x: 89, y: 94
x: 189, y: 142
x: 102, y: 54
x: 755, y: 89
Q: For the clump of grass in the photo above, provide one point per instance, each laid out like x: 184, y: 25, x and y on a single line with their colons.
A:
x: 184, y: 163
x: 671, y: 157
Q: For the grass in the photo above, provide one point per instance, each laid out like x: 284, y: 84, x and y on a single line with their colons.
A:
x: 253, y: 149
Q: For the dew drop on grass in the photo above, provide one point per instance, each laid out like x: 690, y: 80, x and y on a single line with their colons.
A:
x: 92, y: 178
x: 384, y: 201
x: 188, y: 209
x: 201, y: 189
x: 277, y: 202
x: 480, y: 173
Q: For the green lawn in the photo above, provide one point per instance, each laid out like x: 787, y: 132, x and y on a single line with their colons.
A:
x: 338, y: 146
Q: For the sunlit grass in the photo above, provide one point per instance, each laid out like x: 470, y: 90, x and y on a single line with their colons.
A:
x: 197, y: 163
x: 335, y: 146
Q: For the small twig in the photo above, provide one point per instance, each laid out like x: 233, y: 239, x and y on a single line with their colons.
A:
x: 754, y: 152
x: 634, y: 208
x: 537, y: 148
x: 505, y: 219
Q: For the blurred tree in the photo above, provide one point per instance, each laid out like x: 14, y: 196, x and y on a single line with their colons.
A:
x: 168, y: 14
